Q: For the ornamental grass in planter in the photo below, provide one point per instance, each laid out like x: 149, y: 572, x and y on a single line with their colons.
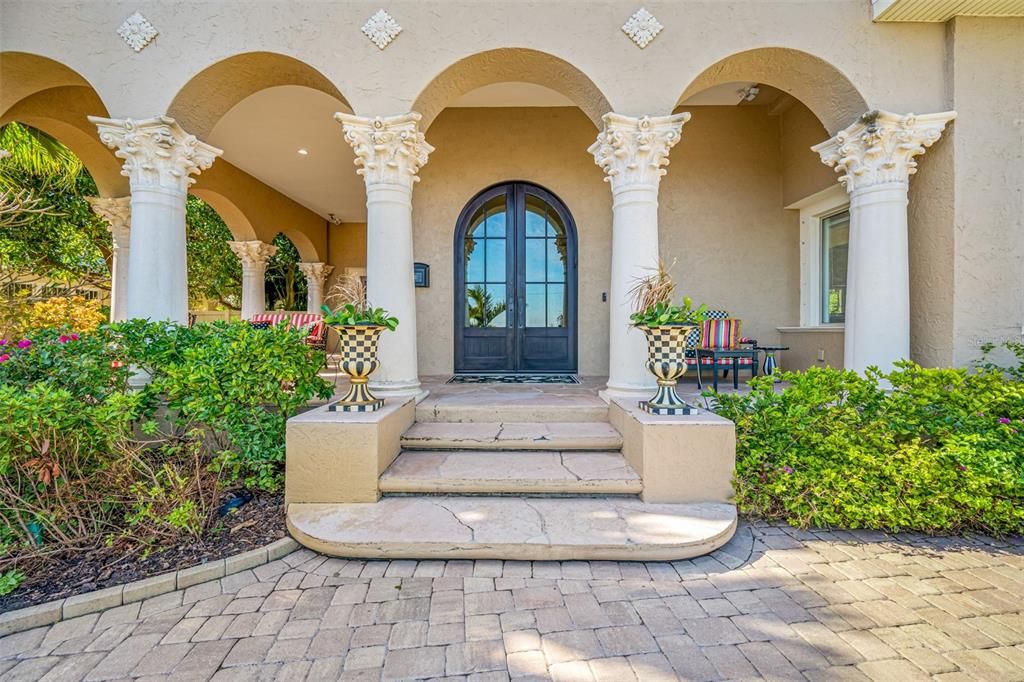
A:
x: 359, y: 326
x: 666, y: 326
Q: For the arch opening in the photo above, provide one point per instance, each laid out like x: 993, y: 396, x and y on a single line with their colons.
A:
x: 819, y: 85
x: 510, y: 65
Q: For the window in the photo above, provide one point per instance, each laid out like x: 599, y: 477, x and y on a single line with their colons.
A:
x: 835, y: 242
x: 824, y: 245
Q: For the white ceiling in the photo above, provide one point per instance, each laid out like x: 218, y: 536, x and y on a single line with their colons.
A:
x: 263, y: 133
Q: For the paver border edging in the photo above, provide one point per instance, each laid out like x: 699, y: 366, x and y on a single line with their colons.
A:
x: 118, y: 595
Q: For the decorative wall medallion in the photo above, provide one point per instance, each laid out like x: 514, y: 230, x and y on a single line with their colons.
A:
x: 137, y: 31
x: 642, y: 27
x: 381, y: 29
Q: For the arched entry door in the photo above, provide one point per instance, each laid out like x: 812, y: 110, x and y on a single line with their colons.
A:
x: 515, y: 282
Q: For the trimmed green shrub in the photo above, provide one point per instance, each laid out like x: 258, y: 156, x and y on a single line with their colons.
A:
x: 942, y: 451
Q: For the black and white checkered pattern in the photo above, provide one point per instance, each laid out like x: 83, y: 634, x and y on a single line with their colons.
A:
x: 358, y: 361
x: 693, y: 338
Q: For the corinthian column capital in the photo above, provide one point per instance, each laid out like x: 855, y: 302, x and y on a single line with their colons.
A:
x: 253, y: 253
x: 157, y: 152
x: 117, y: 212
x: 389, y: 150
x: 634, y: 151
x: 317, y: 272
x: 880, y: 147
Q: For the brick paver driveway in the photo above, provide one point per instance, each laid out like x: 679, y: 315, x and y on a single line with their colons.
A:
x: 776, y: 603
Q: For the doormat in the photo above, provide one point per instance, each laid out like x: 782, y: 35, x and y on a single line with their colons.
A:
x: 514, y: 379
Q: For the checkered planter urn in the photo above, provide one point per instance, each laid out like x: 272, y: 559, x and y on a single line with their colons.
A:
x: 666, y: 360
x: 359, y: 360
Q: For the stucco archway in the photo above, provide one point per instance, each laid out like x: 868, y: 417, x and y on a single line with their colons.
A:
x: 823, y: 88
x: 510, y: 64
x: 212, y: 92
x: 239, y: 226
x: 53, y: 98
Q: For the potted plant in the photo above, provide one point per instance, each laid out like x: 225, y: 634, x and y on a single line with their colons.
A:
x: 666, y: 326
x: 359, y: 325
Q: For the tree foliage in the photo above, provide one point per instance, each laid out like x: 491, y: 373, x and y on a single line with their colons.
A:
x: 214, y: 271
x: 285, y: 283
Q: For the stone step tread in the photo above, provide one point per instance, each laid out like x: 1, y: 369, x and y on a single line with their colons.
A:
x: 513, y: 403
x: 524, y: 528
x: 512, y: 436
x: 511, y: 472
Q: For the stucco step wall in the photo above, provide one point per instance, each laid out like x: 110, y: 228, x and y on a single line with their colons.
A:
x: 510, y: 473
x: 537, y: 407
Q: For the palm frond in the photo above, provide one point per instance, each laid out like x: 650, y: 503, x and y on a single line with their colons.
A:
x: 33, y: 152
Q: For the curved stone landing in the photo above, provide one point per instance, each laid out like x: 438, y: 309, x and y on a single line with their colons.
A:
x: 525, y: 528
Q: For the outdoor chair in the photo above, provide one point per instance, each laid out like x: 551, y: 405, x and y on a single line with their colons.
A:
x: 717, y: 345
x: 313, y: 322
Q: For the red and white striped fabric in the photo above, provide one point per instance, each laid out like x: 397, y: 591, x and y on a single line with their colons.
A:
x: 315, y: 322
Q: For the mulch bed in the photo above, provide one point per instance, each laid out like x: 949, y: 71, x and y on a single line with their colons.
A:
x: 254, y: 525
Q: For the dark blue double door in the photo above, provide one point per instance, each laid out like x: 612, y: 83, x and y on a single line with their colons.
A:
x: 515, y: 282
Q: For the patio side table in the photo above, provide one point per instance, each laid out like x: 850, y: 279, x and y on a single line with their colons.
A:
x: 770, y: 364
x: 736, y: 354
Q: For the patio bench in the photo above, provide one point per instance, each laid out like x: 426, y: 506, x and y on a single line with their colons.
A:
x: 314, y: 322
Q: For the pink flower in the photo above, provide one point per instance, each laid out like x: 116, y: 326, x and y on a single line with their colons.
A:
x: 788, y: 469
x: 24, y: 343
x: 63, y: 339
x: 5, y: 357
x: 74, y: 337
x: 1004, y: 420
x: 3, y: 342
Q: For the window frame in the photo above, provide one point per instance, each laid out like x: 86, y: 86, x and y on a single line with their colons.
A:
x: 813, y: 211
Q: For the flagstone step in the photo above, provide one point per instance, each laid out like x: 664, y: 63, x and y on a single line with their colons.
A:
x: 525, y: 528
x: 517, y: 472
x: 512, y: 405
x: 512, y: 436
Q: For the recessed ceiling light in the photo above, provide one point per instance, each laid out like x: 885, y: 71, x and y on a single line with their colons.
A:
x: 304, y: 152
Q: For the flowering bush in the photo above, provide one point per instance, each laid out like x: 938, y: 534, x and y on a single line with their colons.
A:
x: 83, y: 457
x: 75, y: 313
x: 943, y: 451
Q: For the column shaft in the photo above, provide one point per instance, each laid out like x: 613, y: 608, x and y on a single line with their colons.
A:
x: 634, y: 251
x: 157, y: 267
x: 878, y: 279
x: 390, y: 282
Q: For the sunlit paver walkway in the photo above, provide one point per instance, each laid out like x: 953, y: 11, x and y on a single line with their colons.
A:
x: 776, y: 603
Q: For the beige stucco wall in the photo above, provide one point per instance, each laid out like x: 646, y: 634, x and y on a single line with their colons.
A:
x: 477, y: 148
x: 803, y: 173
x: 987, y: 82
x: 721, y: 218
x: 807, y: 347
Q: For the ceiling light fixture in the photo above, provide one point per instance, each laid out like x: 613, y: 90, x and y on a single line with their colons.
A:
x: 749, y: 93
x: 304, y: 152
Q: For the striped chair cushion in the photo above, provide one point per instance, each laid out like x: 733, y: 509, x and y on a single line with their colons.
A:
x: 720, y: 334
x: 312, y: 322
x: 693, y: 338
x: 721, y: 362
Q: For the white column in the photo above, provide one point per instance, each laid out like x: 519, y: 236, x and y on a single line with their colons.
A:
x: 876, y: 156
x: 316, y: 277
x: 159, y: 159
x: 633, y: 153
x: 390, y: 151
x: 117, y: 212
x: 254, y: 255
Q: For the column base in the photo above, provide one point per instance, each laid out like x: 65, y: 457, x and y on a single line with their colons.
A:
x: 627, y: 393
x: 400, y: 390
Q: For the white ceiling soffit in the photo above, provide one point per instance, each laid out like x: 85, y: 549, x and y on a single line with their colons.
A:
x: 944, y: 10
x: 513, y: 94
x: 723, y: 94
x: 263, y: 134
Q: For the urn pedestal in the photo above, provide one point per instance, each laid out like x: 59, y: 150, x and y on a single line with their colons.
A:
x: 358, y: 360
x: 666, y: 360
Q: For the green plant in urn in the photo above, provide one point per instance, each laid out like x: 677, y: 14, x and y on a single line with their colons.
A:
x: 667, y: 327
x: 359, y: 326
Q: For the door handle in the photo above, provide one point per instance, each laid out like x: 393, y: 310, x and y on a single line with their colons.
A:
x: 510, y: 314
